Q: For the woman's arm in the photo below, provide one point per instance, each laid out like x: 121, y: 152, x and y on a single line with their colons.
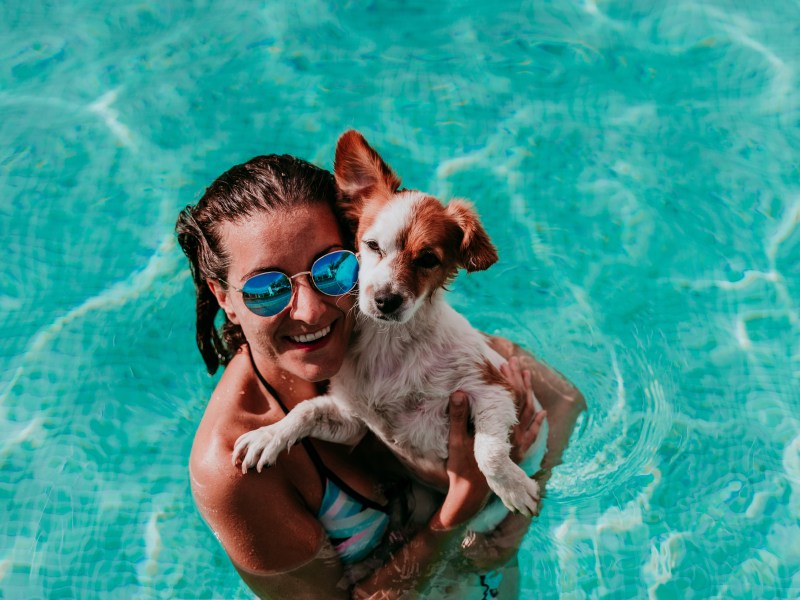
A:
x: 280, y: 549
x: 561, y: 403
x: 562, y: 400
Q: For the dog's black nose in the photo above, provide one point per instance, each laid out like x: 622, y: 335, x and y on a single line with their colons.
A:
x: 388, y: 303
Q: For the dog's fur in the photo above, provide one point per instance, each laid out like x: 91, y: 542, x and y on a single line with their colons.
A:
x: 412, y: 351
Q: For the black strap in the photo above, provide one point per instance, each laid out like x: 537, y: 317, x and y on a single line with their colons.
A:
x: 323, y: 471
x: 312, y: 453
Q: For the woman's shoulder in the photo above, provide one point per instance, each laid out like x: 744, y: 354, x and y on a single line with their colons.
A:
x: 227, y: 416
x: 235, y: 406
x: 247, y: 511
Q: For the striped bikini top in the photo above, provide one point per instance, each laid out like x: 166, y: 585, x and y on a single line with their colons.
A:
x: 354, y: 524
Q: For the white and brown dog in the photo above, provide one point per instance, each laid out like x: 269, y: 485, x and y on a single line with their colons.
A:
x: 413, y: 350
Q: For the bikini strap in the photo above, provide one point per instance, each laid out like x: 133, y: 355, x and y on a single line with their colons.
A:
x: 323, y: 471
x: 310, y: 450
x: 264, y: 382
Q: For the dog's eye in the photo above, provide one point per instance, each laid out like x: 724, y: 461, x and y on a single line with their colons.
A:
x: 373, y: 245
x: 427, y: 260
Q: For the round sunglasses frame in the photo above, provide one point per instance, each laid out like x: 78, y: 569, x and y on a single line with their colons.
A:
x: 251, y: 296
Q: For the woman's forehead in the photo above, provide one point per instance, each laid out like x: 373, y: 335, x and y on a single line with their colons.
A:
x: 286, y: 240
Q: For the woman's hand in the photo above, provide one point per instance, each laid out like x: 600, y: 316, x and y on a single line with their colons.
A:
x: 529, y: 422
x: 467, y: 490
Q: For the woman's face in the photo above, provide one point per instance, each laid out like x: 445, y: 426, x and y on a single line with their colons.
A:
x: 289, y: 241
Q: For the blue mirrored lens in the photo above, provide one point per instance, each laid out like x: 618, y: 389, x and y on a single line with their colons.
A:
x: 335, y: 273
x: 267, y: 294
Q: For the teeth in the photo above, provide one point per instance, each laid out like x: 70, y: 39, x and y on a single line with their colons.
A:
x: 310, y: 337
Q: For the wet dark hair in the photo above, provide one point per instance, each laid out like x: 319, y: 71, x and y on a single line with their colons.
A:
x: 262, y: 184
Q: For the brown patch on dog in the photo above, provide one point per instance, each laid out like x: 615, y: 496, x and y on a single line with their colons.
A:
x: 493, y: 376
x: 362, y: 177
x: 369, y: 212
x: 453, y: 233
x: 477, y: 251
x: 429, y: 230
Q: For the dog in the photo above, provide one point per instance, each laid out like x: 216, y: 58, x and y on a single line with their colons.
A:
x: 411, y: 350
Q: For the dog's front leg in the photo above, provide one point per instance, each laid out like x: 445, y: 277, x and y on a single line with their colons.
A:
x: 319, y: 417
x: 493, y: 413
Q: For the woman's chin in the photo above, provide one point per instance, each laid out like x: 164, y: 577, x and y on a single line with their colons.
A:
x: 316, y: 375
x: 318, y: 368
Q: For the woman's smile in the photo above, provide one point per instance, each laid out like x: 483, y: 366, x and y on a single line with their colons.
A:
x: 313, y: 340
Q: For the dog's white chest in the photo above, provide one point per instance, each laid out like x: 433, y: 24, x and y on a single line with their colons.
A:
x: 407, y: 410
x: 398, y: 381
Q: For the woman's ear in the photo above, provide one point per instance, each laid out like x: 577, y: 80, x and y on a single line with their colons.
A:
x: 223, y: 299
x: 477, y: 251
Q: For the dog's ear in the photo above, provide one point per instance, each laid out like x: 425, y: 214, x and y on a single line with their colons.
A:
x: 477, y: 251
x: 361, y: 173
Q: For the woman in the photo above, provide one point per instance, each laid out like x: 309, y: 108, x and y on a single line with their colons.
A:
x: 281, y: 527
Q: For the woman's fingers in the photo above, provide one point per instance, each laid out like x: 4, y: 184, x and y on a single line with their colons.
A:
x: 515, y: 378
x: 529, y: 422
x: 531, y: 433
x: 526, y: 410
x: 459, y: 417
x: 460, y: 442
x: 519, y: 380
x: 524, y: 434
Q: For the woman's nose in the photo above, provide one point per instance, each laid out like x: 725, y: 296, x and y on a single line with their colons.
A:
x: 307, y: 303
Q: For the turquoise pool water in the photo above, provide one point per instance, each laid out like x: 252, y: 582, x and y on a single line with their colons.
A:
x: 637, y: 164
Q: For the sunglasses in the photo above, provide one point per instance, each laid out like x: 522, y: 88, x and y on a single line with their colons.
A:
x: 267, y: 294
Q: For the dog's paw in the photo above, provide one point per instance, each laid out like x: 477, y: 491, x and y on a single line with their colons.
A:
x: 522, y: 496
x: 257, y: 448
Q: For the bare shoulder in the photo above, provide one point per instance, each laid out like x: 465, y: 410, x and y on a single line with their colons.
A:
x: 227, y: 411
x: 249, y: 512
x: 258, y: 517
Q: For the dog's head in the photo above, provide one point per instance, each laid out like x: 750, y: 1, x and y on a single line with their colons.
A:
x: 410, y: 244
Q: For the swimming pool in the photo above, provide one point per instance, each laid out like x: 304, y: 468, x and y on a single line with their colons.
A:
x: 636, y: 164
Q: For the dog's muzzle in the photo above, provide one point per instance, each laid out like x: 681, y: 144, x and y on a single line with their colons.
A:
x: 388, y: 303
